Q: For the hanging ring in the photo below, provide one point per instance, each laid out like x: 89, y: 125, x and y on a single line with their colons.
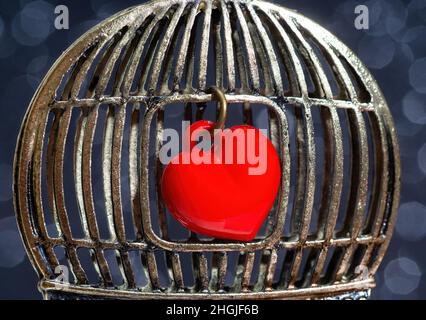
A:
x: 223, y: 109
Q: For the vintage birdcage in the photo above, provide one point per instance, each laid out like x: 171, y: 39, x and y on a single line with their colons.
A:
x: 87, y: 157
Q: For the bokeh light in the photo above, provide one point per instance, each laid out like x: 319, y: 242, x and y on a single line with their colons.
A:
x: 402, y: 276
x: 418, y: 8
x: 12, y: 252
x: 387, y: 17
x: 412, y: 221
x: 407, y: 52
x: 104, y: 9
x: 418, y: 75
x: 34, y: 23
x: 414, y: 107
x: 406, y: 128
x: 38, y: 64
x: 376, y: 53
x: 421, y: 158
x: 413, y: 34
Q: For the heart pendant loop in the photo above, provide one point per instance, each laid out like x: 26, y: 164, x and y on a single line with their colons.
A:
x: 223, y: 110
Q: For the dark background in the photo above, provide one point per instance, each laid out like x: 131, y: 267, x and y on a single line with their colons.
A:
x: 394, y: 48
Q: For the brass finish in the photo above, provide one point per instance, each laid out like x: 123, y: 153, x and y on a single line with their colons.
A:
x: 223, y: 106
x: 122, y: 78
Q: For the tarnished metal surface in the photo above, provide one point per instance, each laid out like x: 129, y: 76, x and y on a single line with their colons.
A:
x: 121, y: 77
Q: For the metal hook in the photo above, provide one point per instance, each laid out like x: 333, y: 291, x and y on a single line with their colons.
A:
x: 223, y: 110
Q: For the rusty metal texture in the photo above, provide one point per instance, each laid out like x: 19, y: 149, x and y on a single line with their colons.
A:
x: 121, y: 78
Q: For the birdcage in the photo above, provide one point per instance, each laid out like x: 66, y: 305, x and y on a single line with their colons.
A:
x: 87, y: 175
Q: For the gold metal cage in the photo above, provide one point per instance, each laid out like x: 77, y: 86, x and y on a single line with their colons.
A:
x: 104, y: 105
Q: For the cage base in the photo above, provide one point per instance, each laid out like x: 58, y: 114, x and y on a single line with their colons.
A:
x: 359, y: 290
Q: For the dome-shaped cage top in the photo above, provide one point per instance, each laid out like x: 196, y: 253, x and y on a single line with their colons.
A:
x: 104, y: 105
x: 244, y: 47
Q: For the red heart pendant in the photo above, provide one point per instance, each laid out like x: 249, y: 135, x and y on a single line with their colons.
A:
x: 226, y: 191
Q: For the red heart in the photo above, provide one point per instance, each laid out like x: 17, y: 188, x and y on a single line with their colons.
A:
x: 223, y: 200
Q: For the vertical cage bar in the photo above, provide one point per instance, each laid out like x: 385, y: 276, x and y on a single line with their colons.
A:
x: 380, y: 184
x: 269, y: 50
x: 78, y: 146
x: 185, y: 43
x: 359, y: 185
x: 23, y: 207
x: 228, y: 46
x: 177, y: 272
x: 240, y: 61
x: 266, y: 85
x: 57, y: 163
x: 150, y: 263
x: 248, y: 265
x: 115, y: 168
x: 112, y: 151
x: 37, y: 189
x: 173, y: 263
x: 56, y: 147
x: 132, y: 67
x: 292, y: 63
x: 332, y: 186
x: 218, y: 272
x: 163, y: 48
x: 134, y: 177
x: 394, y: 185
x: 200, y: 269
x: 249, y: 48
x: 107, y: 170
x: 359, y: 163
x: 216, y: 34
x: 154, y: 39
x: 85, y: 154
x: 305, y: 186
x: 50, y: 162
x: 267, y: 268
x: 202, y: 71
